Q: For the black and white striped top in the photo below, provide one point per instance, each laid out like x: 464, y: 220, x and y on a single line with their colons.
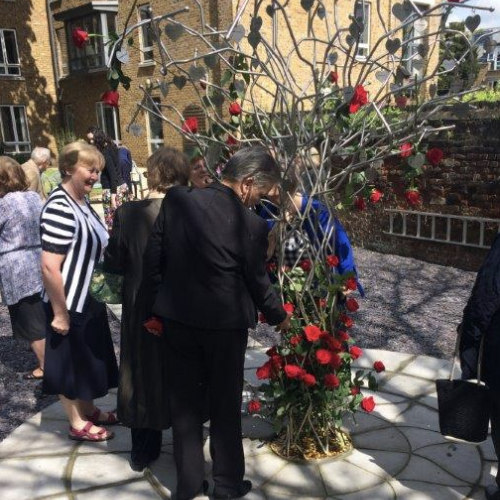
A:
x: 69, y: 229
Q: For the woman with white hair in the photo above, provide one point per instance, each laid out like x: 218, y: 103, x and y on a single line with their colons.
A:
x: 40, y: 161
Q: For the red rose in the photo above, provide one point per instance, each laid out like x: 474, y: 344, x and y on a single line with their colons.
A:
x: 332, y: 260
x: 262, y: 318
x: 271, y: 267
x: 277, y: 362
x: 334, y: 77
x: 378, y: 366
x: 405, y: 150
x: 355, y: 352
x: 313, y: 333
x: 334, y: 344
x: 296, y: 340
x: 434, y: 155
x: 368, y: 404
x: 110, y: 97
x: 273, y: 351
x: 412, y: 197
x: 360, y: 203
x: 351, y: 284
x: 401, y: 101
x: 343, y: 336
x: 355, y: 390
x: 322, y: 303
x: 234, y: 109
x: 309, y: 380
x: 352, y: 305
x: 376, y: 196
x: 348, y: 322
x: 265, y: 371
x: 323, y: 356
x: 253, y: 406
x: 331, y: 381
x: 154, y: 325
x: 190, y: 125
x: 336, y: 361
x: 232, y: 141
x: 289, y: 308
x: 360, y: 98
x: 294, y: 371
x: 80, y: 37
x: 306, y: 265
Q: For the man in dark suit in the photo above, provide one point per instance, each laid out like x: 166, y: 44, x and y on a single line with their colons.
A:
x: 206, y: 261
x: 482, y: 318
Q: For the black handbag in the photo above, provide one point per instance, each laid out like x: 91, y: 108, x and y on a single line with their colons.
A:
x: 464, y: 406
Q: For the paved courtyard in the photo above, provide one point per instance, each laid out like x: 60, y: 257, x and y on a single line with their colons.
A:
x: 399, y: 453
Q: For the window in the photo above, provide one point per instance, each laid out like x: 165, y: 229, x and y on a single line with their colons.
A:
x: 69, y: 118
x: 146, y: 37
x: 9, y: 54
x: 92, y: 55
x: 108, y: 120
x: 412, y: 38
x: 14, y: 128
x: 362, y: 15
x: 155, y: 127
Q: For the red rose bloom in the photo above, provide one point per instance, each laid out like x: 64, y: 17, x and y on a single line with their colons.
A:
x: 355, y: 352
x: 313, y: 333
x: 434, y: 155
x: 323, y: 356
x: 352, y: 305
x: 190, y: 125
x: 110, y: 97
x: 80, y: 37
x: 334, y: 344
x: 154, y: 325
x: 232, y: 141
x: 306, y: 265
x: 401, y: 101
x: 378, y: 366
x: 351, y: 284
x: 294, y: 371
x: 273, y: 351
x: 343, y: 336
x: 309, y: 380
x: 288, y: 307
x: 271, y: 267
x: 359, y: 99
x: 348, y: 322
x: 331, y: 381
x: 405, y: 150
x: 262, y: 318
x: 322, y: 303
x: 265, y: 371
x: 336, y: 361
x: 334, y: 77
x: 253, y: 406
x: 234, y: 109
x: 368, y: 404
x: 277, y: 362
x: 355, y: 390
x: 376, y: 196
x: 332, y: 260
x: 412, y: 197
x: 360, y: 203
x: 296, y: 340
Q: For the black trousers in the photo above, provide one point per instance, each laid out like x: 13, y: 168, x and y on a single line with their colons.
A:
x: 202, y: 361
x: 146, y: 445
x: 495, y: 431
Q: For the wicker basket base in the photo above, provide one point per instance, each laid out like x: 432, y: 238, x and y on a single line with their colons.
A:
x: 308, y: 450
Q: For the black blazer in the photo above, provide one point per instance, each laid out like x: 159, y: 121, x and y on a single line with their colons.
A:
x: 205, y: 260
x: 111, y: 176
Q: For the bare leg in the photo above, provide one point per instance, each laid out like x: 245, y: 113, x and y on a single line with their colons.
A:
x: 38, y: 347
x: 88, y: 408
x: 76, y: 418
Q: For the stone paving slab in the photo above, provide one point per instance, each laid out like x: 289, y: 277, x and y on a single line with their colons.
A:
x: 399, y: 453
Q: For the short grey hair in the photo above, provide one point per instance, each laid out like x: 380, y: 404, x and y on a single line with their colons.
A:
x: 254, y: 162
x: 39, y: 155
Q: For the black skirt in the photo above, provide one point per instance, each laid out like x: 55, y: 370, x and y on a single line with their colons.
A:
x: 28, y: 318
x: 81, y: 364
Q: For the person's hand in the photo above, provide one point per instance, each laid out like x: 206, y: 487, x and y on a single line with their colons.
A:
x: 113, y: 202
x: 60, y: 324
x: 285, y: 324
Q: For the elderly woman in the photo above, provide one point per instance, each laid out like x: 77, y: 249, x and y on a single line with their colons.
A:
x: 80, y: 363
x: 20, y: 275
x: 142, y: 398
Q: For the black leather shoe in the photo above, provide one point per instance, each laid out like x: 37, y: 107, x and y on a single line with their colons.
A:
x: 492, y: 492
x: 243, y: 489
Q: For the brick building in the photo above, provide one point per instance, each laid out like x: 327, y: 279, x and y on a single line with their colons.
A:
x: 28, y: 87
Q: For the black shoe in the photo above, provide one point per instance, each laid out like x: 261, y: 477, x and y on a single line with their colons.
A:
x: 492, y: 492
x: 137, y: 466
x: 243, y: 489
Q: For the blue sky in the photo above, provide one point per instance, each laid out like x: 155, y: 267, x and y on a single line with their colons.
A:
x: 488, y: 19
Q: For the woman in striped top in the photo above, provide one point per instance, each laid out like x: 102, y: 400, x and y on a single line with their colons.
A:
x: 80, y: 363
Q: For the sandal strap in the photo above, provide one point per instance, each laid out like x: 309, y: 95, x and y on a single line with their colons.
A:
x: 87, y: 427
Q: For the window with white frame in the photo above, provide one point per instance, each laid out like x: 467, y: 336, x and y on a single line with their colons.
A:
x: 92, y: 55
x: 413, y: 34
x: 9, y: 54
x: 108, y: 119
x: 362, y: 15
x: 155, y: 126
x: 14, y: 129
x: 145, y: 35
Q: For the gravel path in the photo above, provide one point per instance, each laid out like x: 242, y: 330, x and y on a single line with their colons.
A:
x: 411, y: 306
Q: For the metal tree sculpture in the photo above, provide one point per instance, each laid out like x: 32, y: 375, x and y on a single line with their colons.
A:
x: 332, y: 104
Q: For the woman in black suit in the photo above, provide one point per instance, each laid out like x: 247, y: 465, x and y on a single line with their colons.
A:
x: 142, y: 398
x: 205, y: 263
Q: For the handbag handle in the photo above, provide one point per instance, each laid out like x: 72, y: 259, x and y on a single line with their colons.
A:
x: 456, y: 355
